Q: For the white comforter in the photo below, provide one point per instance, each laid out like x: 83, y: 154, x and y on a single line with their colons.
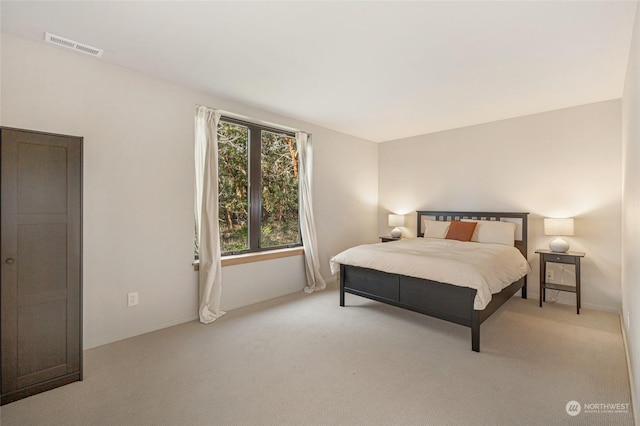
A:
x: 486, y: 267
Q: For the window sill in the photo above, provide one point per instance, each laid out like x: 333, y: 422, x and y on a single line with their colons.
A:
x: 256, y: 257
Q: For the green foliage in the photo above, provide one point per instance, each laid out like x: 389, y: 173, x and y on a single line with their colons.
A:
x: 279, y: 188
x: 233, y: 201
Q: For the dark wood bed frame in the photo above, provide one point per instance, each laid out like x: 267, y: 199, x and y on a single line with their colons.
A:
x: 445, y: 301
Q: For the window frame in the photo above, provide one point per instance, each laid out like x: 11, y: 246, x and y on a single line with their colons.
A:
x: 254, y: 152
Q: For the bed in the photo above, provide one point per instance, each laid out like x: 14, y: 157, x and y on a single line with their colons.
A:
x: 459, y: 303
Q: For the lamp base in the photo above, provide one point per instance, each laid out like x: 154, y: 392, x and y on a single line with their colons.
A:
x: 396, y: 233
x: 559, y: 245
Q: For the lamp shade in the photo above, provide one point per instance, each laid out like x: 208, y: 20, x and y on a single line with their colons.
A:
x: 396, y: 220
x: 558, y: 226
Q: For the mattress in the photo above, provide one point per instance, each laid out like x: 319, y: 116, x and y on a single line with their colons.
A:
x: 486, y: 267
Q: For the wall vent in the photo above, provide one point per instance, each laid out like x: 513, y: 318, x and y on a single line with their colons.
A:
x: 74, y: 45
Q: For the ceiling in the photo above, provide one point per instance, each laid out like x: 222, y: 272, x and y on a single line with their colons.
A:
x: 377, y: 70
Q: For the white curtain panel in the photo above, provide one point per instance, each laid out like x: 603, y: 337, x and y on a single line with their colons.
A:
x: 206, y: 212
x: 315, y: 281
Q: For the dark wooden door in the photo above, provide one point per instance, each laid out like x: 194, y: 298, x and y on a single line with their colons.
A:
x: 41, y: 287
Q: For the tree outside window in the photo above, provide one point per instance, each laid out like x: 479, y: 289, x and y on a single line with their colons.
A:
x: 258, y: 187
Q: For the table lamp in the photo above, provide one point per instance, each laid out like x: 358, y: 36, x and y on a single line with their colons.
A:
x: 558, y: 227
x: 396, y: 220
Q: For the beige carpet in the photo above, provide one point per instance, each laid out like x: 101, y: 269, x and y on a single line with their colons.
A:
x: 303, y: 360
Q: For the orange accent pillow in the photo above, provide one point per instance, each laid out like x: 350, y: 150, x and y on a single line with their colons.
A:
x: 461, y: 231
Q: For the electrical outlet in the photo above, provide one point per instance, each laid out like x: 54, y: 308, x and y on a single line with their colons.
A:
x: 132, y: 299
x: 549, y: 278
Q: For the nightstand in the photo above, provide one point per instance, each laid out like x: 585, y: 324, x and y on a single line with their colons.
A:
x: 567, y: 258
x: 389, y: 238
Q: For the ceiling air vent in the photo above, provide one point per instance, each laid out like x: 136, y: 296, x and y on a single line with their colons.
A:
x: 74, y: 45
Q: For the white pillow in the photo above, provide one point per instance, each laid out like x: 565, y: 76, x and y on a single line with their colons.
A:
x: 435, y: 228
x: 493, y: 231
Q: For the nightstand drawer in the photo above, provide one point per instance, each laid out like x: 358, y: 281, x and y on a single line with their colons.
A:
x: 559, y: 258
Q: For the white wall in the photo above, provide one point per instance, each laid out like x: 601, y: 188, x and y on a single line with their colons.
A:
x: 138, y: 186
x: 138, y: 176
x: 631, y: 209
x: 562, y: 163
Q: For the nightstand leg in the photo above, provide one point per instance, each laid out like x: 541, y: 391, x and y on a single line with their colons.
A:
x: 578, y: 285
x: 341, y: 285
x: 543, y: 272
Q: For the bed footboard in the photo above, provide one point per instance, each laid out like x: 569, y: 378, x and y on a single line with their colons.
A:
x: 445, y: 301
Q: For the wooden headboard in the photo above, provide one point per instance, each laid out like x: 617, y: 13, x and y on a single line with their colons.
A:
x: 520, y: 219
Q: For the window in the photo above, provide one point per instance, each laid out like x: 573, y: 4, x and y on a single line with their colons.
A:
x: 258, y: 187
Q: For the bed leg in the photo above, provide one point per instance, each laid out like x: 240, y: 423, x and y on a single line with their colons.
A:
x: 524, y: 288
x: 341, y: 285
x: 475, y: 331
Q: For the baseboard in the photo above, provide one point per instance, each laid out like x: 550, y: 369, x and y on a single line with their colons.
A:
x: 611, y: 309
x: 90, y: 344
x: 332, y: 283
x: 636, y: 420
